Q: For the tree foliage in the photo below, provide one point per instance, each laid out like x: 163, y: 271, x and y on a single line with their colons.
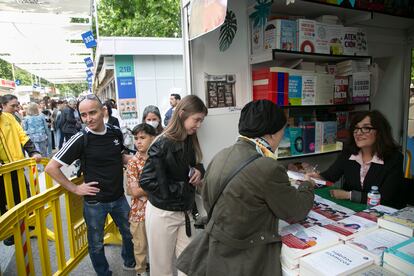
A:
x: 141, y: 18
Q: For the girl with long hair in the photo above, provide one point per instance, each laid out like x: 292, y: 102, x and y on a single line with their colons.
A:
x: 170, y: 176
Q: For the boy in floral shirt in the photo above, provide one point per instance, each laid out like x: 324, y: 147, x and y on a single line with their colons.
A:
x: 144, y: 134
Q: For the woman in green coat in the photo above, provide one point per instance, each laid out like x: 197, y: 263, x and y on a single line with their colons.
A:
x: 243, y: 230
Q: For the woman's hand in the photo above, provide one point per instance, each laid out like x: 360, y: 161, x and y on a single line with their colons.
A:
x: 195, y: 179
x: 314, y: 175
x: 340, y: 194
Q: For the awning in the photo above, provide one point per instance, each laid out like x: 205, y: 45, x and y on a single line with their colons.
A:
x: 42, y: 38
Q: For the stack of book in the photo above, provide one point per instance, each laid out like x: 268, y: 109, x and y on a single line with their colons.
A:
x: 337, y: 260
x: 374, y: 243
x: 400, y: 258
x: 303, y: 242
x: 401, y: 221
x: 374, y: 270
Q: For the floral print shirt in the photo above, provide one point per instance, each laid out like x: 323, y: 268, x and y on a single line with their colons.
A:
x: 138, y: 205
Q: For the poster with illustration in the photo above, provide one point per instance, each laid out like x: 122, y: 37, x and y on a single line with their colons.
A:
x: 206, y: 16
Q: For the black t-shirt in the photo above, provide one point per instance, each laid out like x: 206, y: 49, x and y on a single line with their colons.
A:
x: 102, y: 161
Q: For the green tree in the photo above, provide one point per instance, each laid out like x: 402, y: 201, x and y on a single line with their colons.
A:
x: 145, y: 18
x: 72, y: 89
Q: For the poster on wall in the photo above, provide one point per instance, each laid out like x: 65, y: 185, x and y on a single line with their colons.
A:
x: 206, y: 16
x: 220, y: 90
x: 125, y: 82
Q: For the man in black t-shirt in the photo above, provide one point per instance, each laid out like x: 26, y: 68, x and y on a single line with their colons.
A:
x: 100, y: 150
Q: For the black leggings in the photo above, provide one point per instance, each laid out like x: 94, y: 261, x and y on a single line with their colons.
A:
x: 16, y: 193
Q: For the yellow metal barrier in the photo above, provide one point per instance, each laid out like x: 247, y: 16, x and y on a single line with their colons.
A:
x: 34, y: 211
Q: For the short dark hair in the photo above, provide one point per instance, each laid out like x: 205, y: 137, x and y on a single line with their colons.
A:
x: 7, y: 98
x: 144, y: 127
x: 176, y: 96
x: 385, y: 144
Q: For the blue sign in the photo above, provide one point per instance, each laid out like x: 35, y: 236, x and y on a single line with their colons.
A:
x: 35, y: 85
x: 88, y: 62
x: 89, y: 40
x: 126, y: 87
x: 18, y: 82
x: 89, y: 73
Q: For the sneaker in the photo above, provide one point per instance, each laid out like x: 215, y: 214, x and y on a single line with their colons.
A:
x: 9, y: 241
x: 128, y: 268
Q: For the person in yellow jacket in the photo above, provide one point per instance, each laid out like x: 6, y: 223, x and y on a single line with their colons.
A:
x: 13, y: 141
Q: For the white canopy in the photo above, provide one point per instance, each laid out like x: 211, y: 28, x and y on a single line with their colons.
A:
x: 39, y: 37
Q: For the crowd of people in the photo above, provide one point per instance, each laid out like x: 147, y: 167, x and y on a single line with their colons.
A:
x: 244, y: 184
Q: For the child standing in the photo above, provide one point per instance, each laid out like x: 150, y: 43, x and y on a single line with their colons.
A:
x: 144, y: 134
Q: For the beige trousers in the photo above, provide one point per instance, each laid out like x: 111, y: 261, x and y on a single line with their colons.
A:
x: 166, y: 239
x: 139, y: 239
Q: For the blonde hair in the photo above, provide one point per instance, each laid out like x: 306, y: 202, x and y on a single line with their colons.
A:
x: 176, y: 131
x: 33, y: 109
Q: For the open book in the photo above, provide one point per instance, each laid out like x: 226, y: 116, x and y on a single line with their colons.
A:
x: 301, y: 177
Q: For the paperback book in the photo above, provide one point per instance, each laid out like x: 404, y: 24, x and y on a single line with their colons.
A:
x: 401, y: 256
x: 375, y: 242
x: 351, y: 227
x: 337, y: 260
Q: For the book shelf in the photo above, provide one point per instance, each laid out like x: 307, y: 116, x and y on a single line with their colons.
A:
x: 339, y: 147
x: 270, y: 55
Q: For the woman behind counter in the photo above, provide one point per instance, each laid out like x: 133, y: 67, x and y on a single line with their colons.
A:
x: 371, y: 158
x: 243, y: 238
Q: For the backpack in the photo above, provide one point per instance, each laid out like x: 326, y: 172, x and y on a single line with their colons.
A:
x: 85, y: 144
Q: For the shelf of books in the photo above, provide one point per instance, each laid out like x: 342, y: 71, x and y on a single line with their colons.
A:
x: 319, y: 71
x: 285, y: 152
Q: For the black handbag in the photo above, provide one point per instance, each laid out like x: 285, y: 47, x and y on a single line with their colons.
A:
x: 193, y: 260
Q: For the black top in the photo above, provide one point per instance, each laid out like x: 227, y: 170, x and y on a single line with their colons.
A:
x: 388, y: 178
x: 69, y: 122
x: 165, y: 175
x: 113, y: 121
x: 103, y: 161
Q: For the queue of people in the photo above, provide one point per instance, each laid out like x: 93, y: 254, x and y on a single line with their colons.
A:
x: 166, y: 170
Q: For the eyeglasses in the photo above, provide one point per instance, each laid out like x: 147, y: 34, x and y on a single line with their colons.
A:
x: 364, y: 130
x: 89, y: 97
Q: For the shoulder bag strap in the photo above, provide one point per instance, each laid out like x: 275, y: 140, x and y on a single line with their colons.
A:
x: 230, y: 177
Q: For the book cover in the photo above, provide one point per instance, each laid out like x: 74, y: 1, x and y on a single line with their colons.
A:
x: 321, y: 38
x: 349, y: 40
x: 308, y: 137
x: 308, y: 89
x: 334, y: 37
x: 295, y: 89
x: 337, y: 260
x: 360, y: 87
x: 324, y: 89
x: 351, y: 226
x: 376, y: 242
x: 404, y: 250
x: 329, y: 136
x: 284, y: 146
x: 318, y: 136
x: 331, y: 210
x: 404, y: 216
x: 341, y: 89
x: 307, y: 240
x: 376, y: 212
x: 296, y: 140
x: 306, y: 35
x: 257, y: 38
x: 342, y: 127
x: 280, y: 34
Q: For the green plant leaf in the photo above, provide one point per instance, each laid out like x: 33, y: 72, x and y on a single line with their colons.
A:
x: 227, y: 31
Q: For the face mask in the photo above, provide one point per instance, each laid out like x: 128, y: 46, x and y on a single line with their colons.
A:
x: 154, y: 124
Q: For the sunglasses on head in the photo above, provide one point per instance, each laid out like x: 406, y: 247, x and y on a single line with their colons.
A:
x: 92, y: 97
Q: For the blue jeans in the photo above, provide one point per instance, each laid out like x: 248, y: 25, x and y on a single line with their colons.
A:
x: 95, y: 216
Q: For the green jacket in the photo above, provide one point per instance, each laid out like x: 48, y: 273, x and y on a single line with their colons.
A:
x: 244, y: 236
